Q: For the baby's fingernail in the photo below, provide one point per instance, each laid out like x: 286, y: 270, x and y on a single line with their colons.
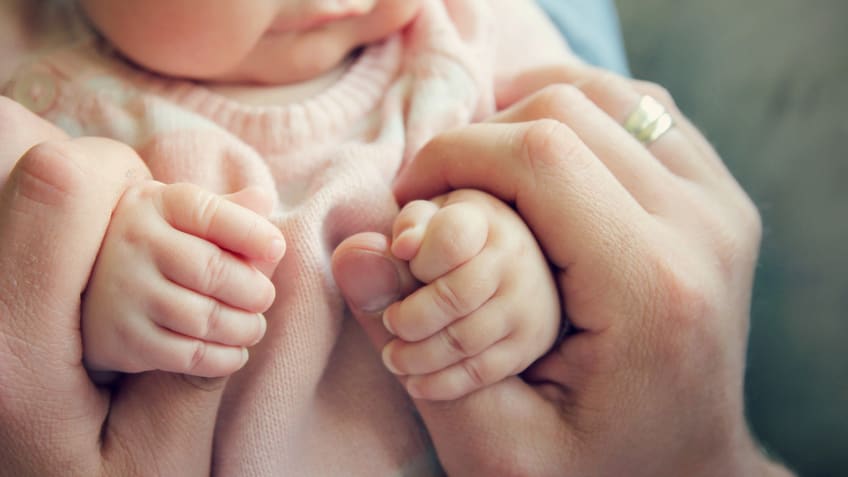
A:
x: 387, y: 360
x: 387, y: 324
x: 245, y: 356
x: 263, y: 327
x: 276, y: 250
x: 413, y: 388
x: 405, y: 245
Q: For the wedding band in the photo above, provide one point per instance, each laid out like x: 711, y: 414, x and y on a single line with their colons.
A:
x: 648, y: 121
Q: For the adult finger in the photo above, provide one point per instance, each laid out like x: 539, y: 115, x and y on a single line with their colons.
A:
x: 65, y: 192
x: 59, y: 191
x: 161, y: 424
x: 682, y: 149
x: 54, y: 210
x: 634, y: 166
x: 596, y: 228
x: 21, y: 130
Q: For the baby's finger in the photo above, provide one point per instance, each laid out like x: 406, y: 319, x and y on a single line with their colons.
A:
x: 254, y: 198
x: 461, y: 339
x: 206, y: 269
x: 467, y: 376
x: 409, y: 227
x: 141, y: 345
x: 175, y: 353
x: 440, y: 303
x: 197, y: 316
x: 455, y: 234
x: 230, y: 226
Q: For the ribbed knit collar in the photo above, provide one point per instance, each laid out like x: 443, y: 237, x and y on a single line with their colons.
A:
x: 269, y: 128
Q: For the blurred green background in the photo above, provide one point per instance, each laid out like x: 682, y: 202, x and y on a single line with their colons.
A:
x: 767, y: 81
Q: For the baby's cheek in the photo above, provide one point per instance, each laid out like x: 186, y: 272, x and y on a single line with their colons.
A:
x: 185, y: 38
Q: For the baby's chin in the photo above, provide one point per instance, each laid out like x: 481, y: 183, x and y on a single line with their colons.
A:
x: 270, y: 77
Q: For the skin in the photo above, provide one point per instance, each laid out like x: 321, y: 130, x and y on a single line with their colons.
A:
x: 174, y: 287
x: 194, y: 306
x: 256, y: 41
x: 53, y: 419
x: 489, y: 306
x: 654, y: 251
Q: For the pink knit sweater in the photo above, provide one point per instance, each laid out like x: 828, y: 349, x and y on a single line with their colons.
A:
x: 314, y: 398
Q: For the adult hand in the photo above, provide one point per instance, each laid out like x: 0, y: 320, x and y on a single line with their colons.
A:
x: 54, y: 209
x: 654, y: 249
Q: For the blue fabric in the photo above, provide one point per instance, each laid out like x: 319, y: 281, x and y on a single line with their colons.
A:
x: 592, y: 30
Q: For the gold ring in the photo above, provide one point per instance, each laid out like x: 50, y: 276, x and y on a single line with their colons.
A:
x: 648, y: 121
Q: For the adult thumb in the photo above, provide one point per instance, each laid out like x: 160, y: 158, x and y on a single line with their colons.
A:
x: 370, y: 279
x: 464, y: 431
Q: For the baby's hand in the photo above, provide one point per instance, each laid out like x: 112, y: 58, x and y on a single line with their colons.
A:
x: 176, y: 285
x: 490, y: 306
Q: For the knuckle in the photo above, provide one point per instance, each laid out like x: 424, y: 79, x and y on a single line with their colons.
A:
x: 449, y: 300
x: 607, y: 80
x: 554, y: 101
x: 545, y: 144
x: 50, y: 173
x: 132, y: 342
x: 473, y: 369
x: 752, y: 221
x: 213, y: 319
x: 160, y: 309
x: 454, y: 341
x: 215, y: 273
x: 188, y: 200
x: 458, y: 233
x: 206, y: 210
x: 198, y: 354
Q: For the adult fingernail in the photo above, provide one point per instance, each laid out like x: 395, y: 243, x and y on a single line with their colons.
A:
x: 372, y: 284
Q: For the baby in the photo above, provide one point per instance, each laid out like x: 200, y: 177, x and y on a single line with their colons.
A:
x: 266, y: 119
